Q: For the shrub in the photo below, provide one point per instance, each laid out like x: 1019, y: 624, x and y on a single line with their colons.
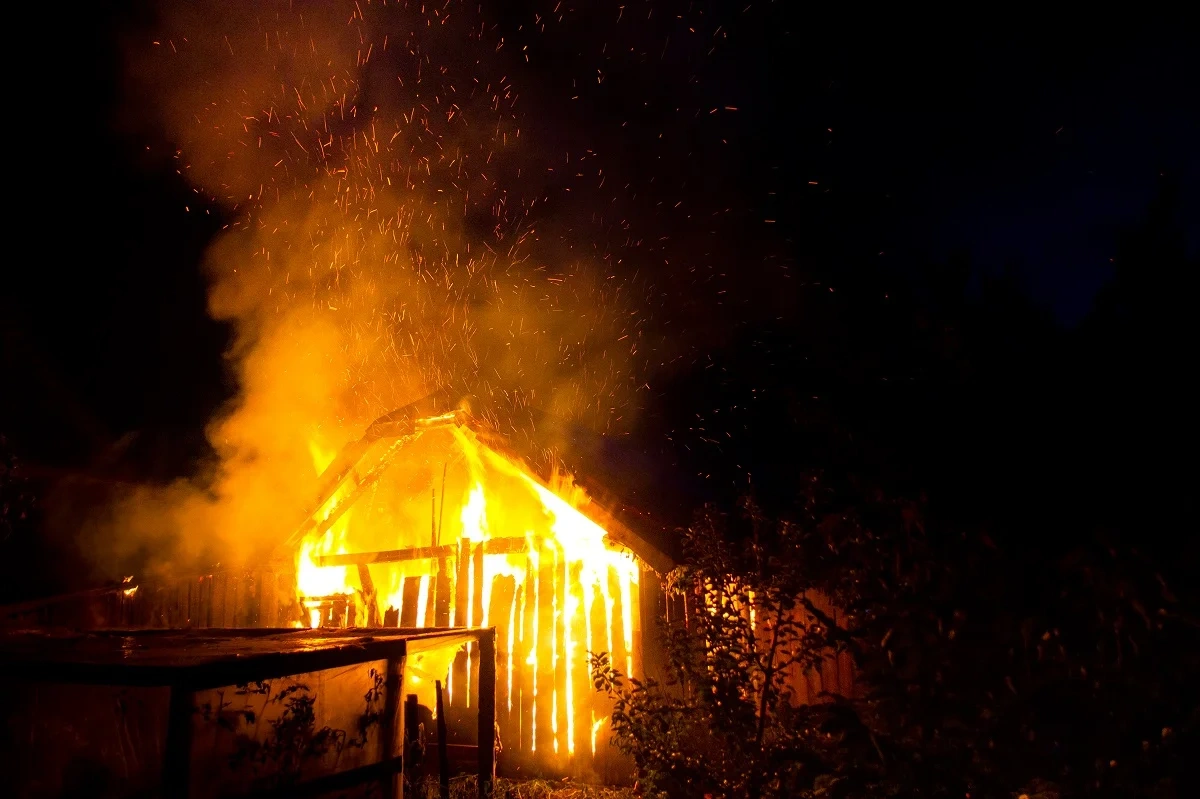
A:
x: 981, y: 670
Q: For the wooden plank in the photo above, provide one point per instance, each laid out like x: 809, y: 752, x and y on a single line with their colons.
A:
x: 443, y: 588
x: 408, y: 603
x: 370, y: 598
x: 544, y: 718
x: 611, y: 761
x: 391, y: 724
x: 265, y: 663
x: 581, y: 685
x: 268, y: 601
x: 219, y: 587
x: 287, y: 606
x: 181, y: 597
x: 459, y: 684
x: 206, y: 601
x: 487, y: 713
x: 635, y: 619
x: 386, y: 556
x: 562, y: 720
x: 412, y: 745
x: 476, y: 617
x: 443, y: 752
x: 431, y: 601
x: 528, y: 674
x: 494, y: 546
x: 601, y: 705
x: 620, y: 651
x: 498, y: 617
x: 253, y: 596
x: 237, y: 602
x: 477, y: 582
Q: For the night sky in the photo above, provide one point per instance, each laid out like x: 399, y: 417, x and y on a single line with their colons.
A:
x: 1026, y: 146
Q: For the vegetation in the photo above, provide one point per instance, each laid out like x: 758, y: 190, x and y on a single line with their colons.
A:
x: 979, y: 671
x: 277, y: 740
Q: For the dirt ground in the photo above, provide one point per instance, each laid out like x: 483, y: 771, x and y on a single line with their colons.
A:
x: 464, y: 788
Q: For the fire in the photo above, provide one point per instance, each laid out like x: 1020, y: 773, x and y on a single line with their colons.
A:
x: 316, y: 583
x: 517, y: 554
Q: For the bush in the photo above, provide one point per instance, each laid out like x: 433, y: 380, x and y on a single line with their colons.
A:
x: 980, y: 671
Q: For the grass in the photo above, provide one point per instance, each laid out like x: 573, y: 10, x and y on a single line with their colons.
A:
x: 464, y: 788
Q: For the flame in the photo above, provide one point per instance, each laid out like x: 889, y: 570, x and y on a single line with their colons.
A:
x: 552, y: 568
x: 314, y: 582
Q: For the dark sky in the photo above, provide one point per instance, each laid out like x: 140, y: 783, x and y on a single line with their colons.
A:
x: 1025, y: 143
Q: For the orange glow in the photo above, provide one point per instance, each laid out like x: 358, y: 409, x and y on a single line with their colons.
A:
x: 521, y: 542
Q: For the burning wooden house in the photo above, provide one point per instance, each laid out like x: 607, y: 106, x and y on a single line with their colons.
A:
x: 427, y: 522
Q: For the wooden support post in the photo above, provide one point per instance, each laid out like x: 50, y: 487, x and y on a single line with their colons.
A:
x: 480, y: 589
x: 544, y: 715
x: 443, y: 752
x: 412, y: 744
x: 220, y: 585
x: 650, y: 642
x: 459, y: 685
x: 503, y: 597
x: 408, y: 602
x: 528, y: 675
x: 177, y: 763
x: 561, y: 719
x: 487, y: 712
x: 601, y: 706
x: 635, y: 623
x: 369, y: 596
x: 620, y: 651
x: 442, y: 589
x: 476, y: 609
x: 430, y: 619
x: 231, y: 600
x: 392, y: 785
x: 267, y: 600
x: 237, y: 606
x: 580, y: 675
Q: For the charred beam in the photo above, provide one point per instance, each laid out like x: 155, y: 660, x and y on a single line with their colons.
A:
x: 496, y: 546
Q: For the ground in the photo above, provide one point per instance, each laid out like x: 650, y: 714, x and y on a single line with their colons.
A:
x: 464, y: 788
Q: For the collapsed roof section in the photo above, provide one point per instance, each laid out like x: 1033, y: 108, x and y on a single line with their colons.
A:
x: 424, y: 450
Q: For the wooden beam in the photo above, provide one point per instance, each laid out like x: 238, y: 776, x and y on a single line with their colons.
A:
x: 412, y: 744
x: 391, y: 784
x: 409, y: 594
x: 494, y: 546
x: 442, y: 589
x: 443, y: 752
x: 487, y: 712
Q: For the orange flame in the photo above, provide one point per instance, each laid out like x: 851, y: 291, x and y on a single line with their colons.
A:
x: 529, y: 538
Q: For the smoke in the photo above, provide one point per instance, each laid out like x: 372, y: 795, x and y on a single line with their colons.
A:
x: 387, y: 237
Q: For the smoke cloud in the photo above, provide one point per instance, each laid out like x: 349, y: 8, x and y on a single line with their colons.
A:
x: 388, y: 236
